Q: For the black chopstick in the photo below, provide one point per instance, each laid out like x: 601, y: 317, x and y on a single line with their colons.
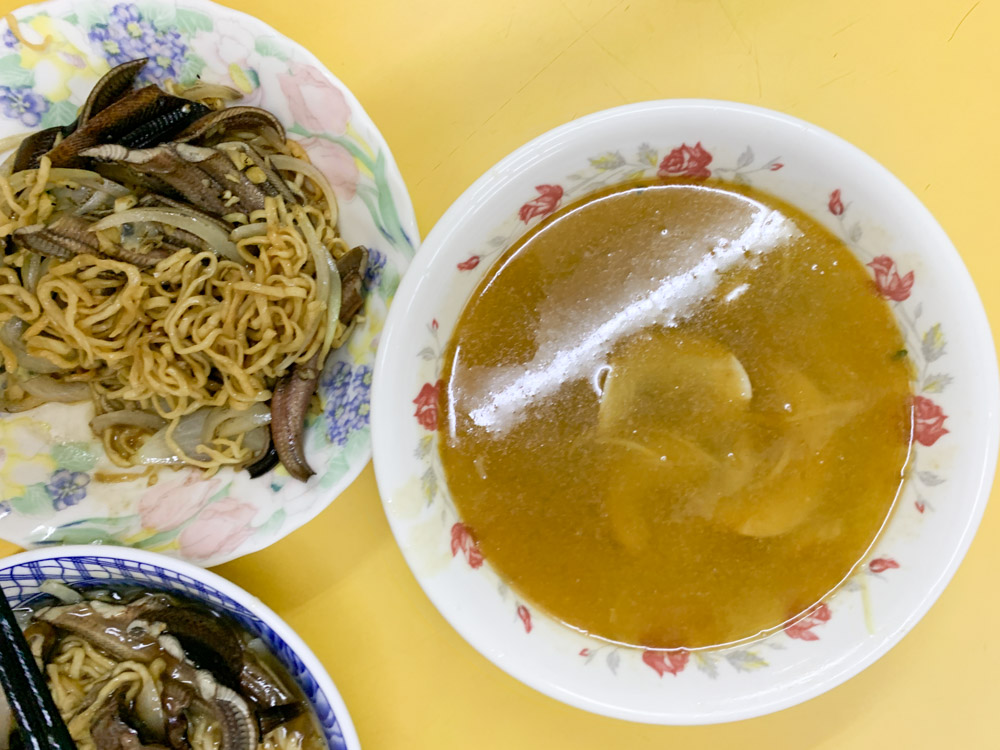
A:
x: 40, y: 723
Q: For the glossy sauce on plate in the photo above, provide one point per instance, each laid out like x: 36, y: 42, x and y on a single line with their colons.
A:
x: 675, y: 415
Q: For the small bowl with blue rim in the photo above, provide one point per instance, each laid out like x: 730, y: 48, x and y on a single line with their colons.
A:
x: 85, y: 567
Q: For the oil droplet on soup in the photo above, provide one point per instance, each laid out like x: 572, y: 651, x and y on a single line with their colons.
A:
x: 675, y: 414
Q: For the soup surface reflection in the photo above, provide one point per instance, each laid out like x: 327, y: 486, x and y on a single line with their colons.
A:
x: 675, y: 414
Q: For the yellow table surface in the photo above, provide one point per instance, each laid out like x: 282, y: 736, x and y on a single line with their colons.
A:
x: 455, y: 85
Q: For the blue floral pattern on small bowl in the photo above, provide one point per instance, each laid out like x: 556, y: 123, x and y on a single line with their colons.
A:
x: 48, y: 458
x: 21, y: 577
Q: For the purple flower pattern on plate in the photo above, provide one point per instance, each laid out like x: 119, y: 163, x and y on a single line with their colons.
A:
x: 347, y: 394
x: 67, y: 488
x: 127, y: 35
x: 373, y: 273
x: 23, y: 104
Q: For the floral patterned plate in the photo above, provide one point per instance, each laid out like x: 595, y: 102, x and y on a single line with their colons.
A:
x: 913, y: 265
x: 48, y: 458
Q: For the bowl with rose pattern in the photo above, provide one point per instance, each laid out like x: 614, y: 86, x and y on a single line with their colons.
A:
x: 911, y: 264
x: 51, y: 55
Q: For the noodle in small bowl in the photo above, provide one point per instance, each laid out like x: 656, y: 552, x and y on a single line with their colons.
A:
x: 59, y: 483
x: 26, y: 578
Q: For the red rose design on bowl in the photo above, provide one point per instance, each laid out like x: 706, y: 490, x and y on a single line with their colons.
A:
x: 890, y: 284
x: 546, y: 202
x: 686, y: 161
x: 928, y: 421
x: 427, y: 406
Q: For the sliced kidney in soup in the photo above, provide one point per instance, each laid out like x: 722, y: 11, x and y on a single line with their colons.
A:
x: 676, y: 415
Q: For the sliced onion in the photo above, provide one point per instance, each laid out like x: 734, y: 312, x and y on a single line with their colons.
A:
x: 49, y: 389
x: 328, y: 285
x: 31, y: 271
x: 25, y: 404
x: 60, y: 591
x: 84, y: 177
x: 98, y: 200
x: 6, y: 168
x: 214, y: 236
x: 258, y: 229
x: 201, y: 91
x: 244, y: 422
x: 256, y: 442
x: 10, y: 334
x: 291, y: 164
x: 149, y: 705
x: 127, y: 418
x: 228, y: 423
x: 187, y: 435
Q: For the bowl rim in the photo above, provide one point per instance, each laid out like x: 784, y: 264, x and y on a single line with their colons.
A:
x: 407, y: 216
x: 222, y: 585
x: 486, y: 187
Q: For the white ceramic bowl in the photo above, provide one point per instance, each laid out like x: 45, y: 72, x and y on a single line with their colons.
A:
x: 21, y: 577
x: 914, y: 265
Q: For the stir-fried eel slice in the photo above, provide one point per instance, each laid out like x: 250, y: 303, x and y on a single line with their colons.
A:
x: 229, y: 119
x: 272, y: 184
x: 150, y: 114
x: 289, y: 406
x: 35, y: 146
x: 112, y: 87
x: 163, y: 126
x: 70, y: 236
x: 217, y: 165
x: 352, y: 266
x: 167, y: 164
x: 207, y: 640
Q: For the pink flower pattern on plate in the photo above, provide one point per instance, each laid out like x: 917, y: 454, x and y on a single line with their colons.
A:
x: 219, y: 529
x: 167, y: 505
x: 336, y: 164
x: 314, y: 102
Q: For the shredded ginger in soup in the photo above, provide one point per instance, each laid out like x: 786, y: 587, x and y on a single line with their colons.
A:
x: 676, y: 415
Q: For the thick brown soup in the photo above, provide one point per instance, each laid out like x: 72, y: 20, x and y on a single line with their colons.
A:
x: 675, y: 414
